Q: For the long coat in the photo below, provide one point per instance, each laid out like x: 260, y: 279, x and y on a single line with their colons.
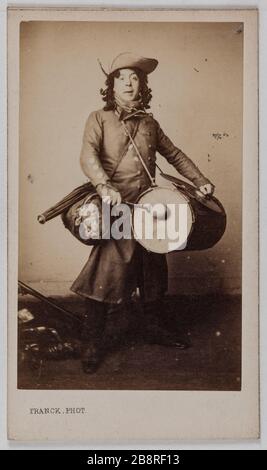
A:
x: 114, y: 269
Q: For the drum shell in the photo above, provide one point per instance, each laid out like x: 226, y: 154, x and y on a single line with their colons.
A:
x: 208, y: 227
x: 69, y: 218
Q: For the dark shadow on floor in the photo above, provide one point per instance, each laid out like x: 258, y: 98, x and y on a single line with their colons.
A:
x: 213, y: 362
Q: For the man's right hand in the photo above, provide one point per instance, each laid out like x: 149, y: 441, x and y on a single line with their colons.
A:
x: 109, y: 194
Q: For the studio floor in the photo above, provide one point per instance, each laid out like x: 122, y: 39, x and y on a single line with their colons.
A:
x: 212, y: 362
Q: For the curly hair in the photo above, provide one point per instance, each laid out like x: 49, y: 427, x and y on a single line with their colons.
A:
x: 108, y: 93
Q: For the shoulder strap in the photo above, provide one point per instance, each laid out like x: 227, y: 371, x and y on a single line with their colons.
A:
x: 126, y: 146
x: 152, y: 180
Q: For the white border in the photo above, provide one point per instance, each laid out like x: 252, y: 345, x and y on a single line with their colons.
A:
x: 260, y: 444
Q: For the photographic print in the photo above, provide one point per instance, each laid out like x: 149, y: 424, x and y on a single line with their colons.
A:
x: 130, y: 178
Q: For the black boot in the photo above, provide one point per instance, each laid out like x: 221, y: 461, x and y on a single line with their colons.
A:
x: 118, y: 326
x: 154, y: 330
x: 93, y: 348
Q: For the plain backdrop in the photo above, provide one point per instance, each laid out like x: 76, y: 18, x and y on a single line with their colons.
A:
x: 197, y: 98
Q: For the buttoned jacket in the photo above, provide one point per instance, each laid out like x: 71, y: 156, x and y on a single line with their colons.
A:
x: 109, y: 154
x: 114, y: 269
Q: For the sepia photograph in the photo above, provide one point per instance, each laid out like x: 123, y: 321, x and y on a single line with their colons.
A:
x: 130, y: 205
x: 145, y: 313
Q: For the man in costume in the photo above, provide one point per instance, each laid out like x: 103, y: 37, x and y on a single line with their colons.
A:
x: 116, y: 268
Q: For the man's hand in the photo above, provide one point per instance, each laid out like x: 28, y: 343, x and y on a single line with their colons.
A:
x: 207, y: 189
x: 109, y: 194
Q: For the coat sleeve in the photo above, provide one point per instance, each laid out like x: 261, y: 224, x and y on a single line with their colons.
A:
x: 178, y: 159
x: 91, y: 150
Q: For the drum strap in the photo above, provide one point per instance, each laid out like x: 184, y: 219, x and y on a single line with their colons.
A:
x: 126, y: 148
x: 152, y: 180
x: 188, y: 188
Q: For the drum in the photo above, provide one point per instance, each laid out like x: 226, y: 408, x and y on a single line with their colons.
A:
x: 172, y: 219
x: 83, y: 219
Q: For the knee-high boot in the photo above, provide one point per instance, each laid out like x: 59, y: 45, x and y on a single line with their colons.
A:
x: 92, y: 335
x: 118, y: 324
x: 155, y: 332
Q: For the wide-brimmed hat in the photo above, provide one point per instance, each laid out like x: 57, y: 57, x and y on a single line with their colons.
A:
x: 128, y: 60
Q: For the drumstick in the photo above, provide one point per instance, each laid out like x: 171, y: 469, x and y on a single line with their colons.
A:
x: 134, y: 204
x: 159, y: 215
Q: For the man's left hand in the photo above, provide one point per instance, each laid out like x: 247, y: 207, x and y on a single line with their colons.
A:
x: 207, y: 189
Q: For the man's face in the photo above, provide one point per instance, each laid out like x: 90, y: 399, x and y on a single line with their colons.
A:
x: 127, y: 85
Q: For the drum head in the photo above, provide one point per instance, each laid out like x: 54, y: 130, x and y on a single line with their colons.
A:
x: 162, y: 220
